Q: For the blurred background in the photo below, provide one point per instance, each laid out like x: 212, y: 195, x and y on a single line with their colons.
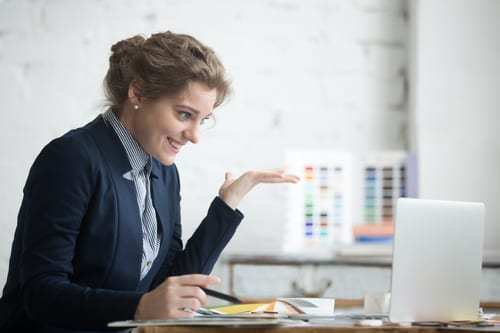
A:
x: 420, y: 77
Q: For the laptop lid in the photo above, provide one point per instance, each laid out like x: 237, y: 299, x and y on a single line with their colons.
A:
x: 437, y: 257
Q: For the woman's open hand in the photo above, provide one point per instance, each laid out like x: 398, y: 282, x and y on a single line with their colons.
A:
x: 233, y: 190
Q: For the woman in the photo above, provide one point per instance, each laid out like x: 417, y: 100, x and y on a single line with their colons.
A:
x: 99, y: 235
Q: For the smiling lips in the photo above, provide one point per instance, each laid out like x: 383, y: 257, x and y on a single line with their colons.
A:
x: 174, y: 145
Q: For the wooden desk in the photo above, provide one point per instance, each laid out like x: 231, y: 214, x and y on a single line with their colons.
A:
x: 314, y: 329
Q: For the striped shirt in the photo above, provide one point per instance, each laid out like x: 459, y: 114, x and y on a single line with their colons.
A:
x: 140, y: 161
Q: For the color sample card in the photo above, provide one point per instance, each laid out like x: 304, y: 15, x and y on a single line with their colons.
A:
x: 323, y: 200
x: 318, y: 207
x: 383, y: 182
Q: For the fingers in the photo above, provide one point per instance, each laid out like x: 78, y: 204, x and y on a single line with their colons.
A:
x: 200, y: 280
x: 191, y: 297
x: 184, y: 307
x: 181, y: 313
x: 228, y: 179
x: 195, y: 293
x: 291, y: 178
x: 255, y: 177
x: 274, y: 177
x: 185, y: 291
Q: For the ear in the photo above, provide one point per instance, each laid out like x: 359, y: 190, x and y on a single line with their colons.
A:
x: 134, y: 94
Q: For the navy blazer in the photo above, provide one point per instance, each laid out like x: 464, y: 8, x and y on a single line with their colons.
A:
x: 76, y: 256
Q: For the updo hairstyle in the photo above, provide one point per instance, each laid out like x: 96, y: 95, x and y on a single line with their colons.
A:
x: 162, y: 65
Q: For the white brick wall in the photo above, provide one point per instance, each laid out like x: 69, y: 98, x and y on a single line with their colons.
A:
x: 307, y: 74
x: 457, y: 104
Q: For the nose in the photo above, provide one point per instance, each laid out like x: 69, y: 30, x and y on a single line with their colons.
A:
x: 192, y: 133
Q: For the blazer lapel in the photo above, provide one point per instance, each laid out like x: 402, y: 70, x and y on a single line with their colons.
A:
x: 163, y: 204
x: 128, y: 230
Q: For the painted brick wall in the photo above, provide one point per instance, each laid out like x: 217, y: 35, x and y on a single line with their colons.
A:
x: 307, y: 74
x: 457, y: 105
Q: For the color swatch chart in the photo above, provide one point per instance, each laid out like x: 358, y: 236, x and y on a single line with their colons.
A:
x: 323, y: 200
x: 384, y: 183
x: 319, y: 206
x: 343, y: 198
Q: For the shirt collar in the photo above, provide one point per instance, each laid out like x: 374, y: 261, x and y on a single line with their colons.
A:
x: 138, y: 158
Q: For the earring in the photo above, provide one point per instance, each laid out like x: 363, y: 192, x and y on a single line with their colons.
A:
x: 136, y: 107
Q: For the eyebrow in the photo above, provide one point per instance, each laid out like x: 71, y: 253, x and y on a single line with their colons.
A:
x: 192, y: 110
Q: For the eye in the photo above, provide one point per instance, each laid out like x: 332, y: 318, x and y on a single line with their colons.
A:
x: 207, y: 122
x: 183, y: 115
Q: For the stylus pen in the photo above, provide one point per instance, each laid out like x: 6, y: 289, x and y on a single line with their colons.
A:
x: 222, y: 296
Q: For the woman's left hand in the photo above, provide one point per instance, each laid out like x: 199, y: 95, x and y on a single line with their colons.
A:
x: 233, y: 190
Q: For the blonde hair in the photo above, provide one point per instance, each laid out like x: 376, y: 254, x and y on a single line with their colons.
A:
x: 162, y: 65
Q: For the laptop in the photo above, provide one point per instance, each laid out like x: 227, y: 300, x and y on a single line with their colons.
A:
x: 437, y: 257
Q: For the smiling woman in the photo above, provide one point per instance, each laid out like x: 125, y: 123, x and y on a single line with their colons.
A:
x: 98, y: 237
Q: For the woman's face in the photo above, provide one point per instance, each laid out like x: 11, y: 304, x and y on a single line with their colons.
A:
x: 164, y: 126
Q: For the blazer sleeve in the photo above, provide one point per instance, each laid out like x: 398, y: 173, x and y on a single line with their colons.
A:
x: 56, y: 196
x: 205, y: 245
